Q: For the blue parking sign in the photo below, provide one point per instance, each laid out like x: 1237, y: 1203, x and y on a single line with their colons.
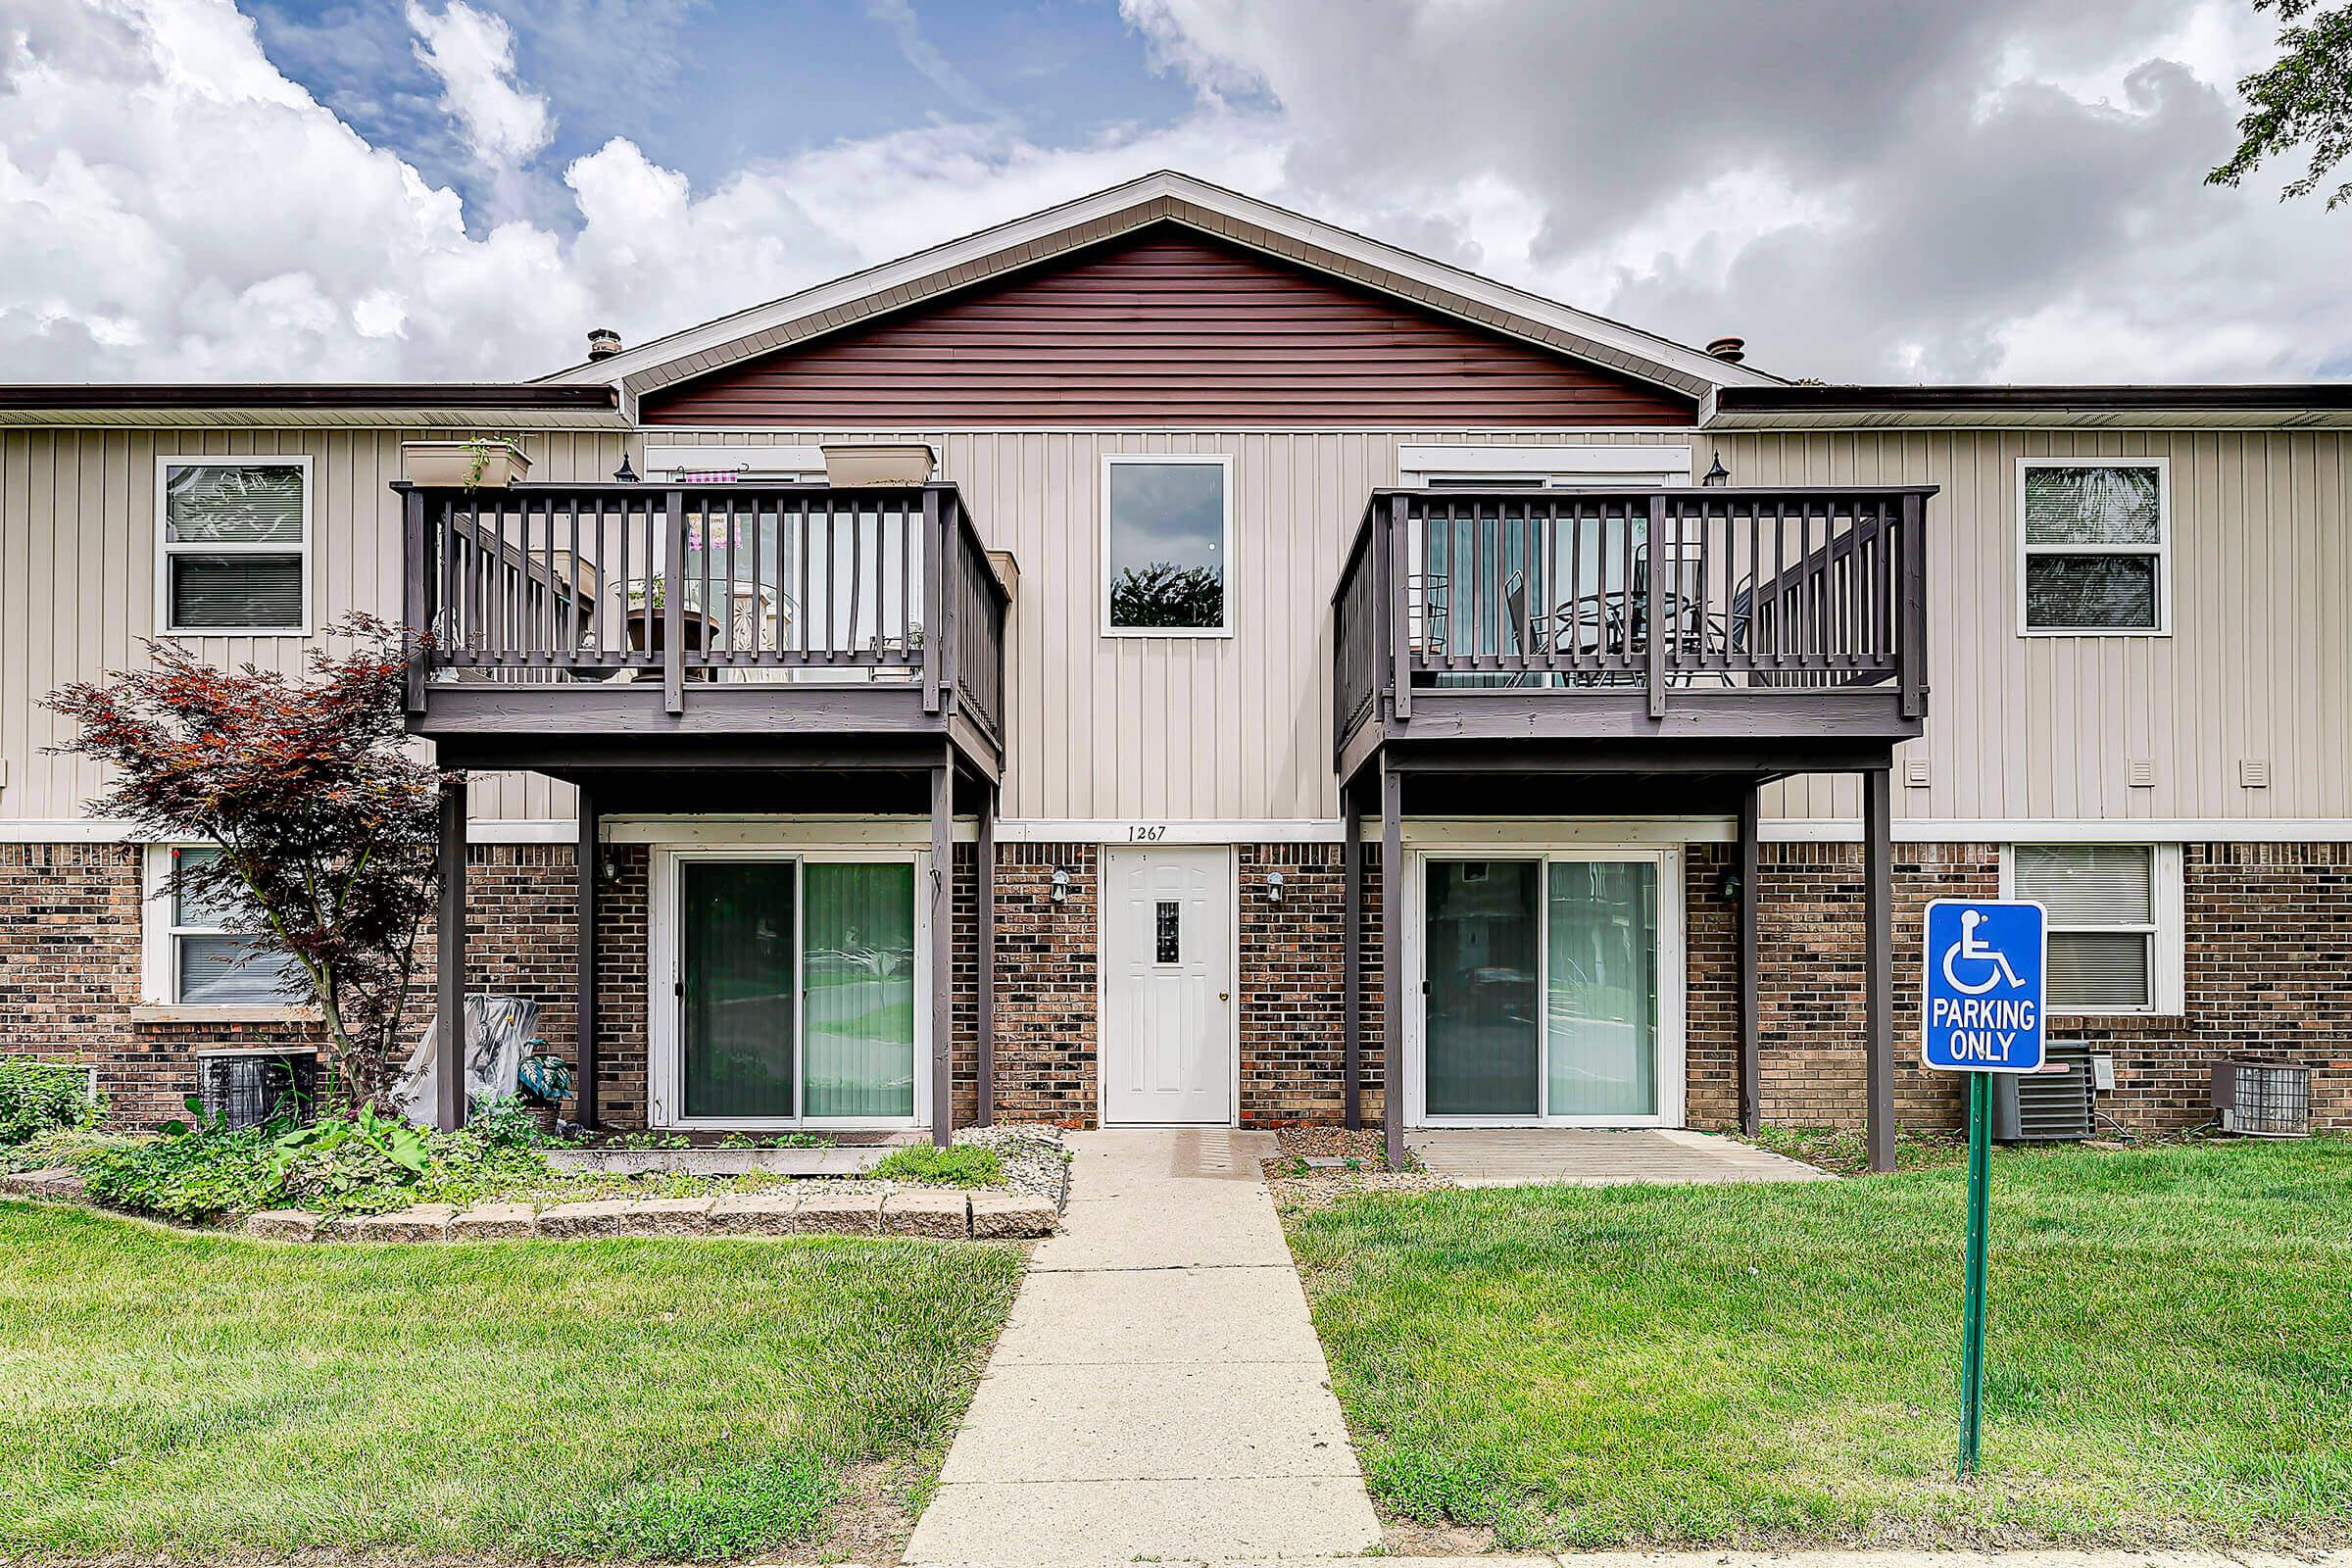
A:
x: 1981, y: 1001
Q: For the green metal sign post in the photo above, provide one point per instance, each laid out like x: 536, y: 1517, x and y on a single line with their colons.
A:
x: 1971, y: 1316
x: 1982, y: 1016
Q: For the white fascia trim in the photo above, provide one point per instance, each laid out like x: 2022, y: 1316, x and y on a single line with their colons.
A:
x: 2052, y: 830
x: 1326, y: 830
x: 1687, y: 369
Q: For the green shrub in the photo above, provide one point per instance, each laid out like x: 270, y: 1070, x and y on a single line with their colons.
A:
x: 38, y: 1096
x: 202, y: 1171
x: 956, y: 1165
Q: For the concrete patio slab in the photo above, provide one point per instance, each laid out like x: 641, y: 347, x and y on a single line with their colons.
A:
x: 1582, y: 1156
x: 1158, y: 1392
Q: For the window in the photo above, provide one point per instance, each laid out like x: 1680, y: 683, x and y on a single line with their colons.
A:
x: 2114, y: 920
x: 1168, y: 528
x: 2093, y: 541
x: 236, y: 539
x: 211, y: 958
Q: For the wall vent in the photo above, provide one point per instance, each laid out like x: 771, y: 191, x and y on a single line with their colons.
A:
x: 2254, y: 772
x: 1915, y: 773
x: 2262, y: 1099
x: 2142, y: 771
x: 2048, y: 1106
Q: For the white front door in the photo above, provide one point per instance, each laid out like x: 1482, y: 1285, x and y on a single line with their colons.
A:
x: 1166, y: 1050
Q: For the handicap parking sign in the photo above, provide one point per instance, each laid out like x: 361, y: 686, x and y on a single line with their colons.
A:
x: 1982, y: 999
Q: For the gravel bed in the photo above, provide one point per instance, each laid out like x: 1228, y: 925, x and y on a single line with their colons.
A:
x: 1035, y: 1161
x: 1300, y: 1176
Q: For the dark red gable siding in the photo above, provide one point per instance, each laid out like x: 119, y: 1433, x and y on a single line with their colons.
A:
x: 1162, y: 328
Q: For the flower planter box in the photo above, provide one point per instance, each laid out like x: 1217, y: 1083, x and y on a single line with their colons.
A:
x: 876, y: 464
x: 450, y: 464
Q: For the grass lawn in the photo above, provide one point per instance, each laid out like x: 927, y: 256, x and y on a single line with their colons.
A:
x: 201, y: 1395
x: 2170, y: 1353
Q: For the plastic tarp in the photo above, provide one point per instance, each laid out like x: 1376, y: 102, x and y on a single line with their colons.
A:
x: 496, y: 1028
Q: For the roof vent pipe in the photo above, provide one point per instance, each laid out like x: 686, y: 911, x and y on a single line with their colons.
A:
x: 604, y: 343
x: 1730, y: 349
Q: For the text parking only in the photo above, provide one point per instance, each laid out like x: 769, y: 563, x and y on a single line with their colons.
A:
x: 1984, y: 993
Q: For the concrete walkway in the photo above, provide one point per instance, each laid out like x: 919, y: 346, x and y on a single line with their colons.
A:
x: 1158, y: 1391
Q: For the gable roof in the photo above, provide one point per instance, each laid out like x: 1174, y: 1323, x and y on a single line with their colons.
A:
x: 1162, y: 197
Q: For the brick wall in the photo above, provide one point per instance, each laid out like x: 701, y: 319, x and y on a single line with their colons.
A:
x: 1289, y: 1014
x: 1045, y: 976
x: 2269, y: 973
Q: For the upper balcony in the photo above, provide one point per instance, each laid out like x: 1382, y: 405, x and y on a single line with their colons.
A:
x: 1758, y: 630
x: 571, y: 624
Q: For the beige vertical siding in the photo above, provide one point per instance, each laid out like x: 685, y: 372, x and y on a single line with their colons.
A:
x: 1177, y: 728
x: 2047, y: 727
x: 1239, y: 728
x: 77, y: 564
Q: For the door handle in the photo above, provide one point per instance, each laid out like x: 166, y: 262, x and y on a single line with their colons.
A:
x: 1224, y: 996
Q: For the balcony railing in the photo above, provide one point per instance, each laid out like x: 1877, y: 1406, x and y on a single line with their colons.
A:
x: 1571, y: 592
x: 786, y: 586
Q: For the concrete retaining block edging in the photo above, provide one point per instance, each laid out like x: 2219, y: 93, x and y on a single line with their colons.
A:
x: 907, y: 1211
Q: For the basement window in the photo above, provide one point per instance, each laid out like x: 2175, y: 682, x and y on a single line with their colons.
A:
x: 2114, y: 917
x: 208, y: 954
x: 2095, y: 547
x: 235, y: 557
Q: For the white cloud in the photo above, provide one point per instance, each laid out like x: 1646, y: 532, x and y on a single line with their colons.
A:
x: 2009, y: 195
x: 471, y: 54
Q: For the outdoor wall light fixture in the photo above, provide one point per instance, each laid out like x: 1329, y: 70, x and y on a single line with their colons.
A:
x: 1717, y: 475
x: 1061, y: 886
x: 608, y: 868
x: 1731, y: 883
x: 624, y: 474
x: 1273, y: 887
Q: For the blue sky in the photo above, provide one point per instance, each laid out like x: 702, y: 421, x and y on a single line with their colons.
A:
x: 707, y: 88
x: 1941, y: 190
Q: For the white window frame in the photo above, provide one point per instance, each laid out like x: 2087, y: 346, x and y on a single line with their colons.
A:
x: 1673, y: 1042
x: 2161, y: 551
x: 1222, y: 460
x: 749, y: 464
x: 158, y: 939
x: 665, y: 1064
x: 2166, y: 933
x: 166, y: 548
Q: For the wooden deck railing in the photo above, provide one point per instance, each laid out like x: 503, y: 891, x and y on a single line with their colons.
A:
x: 1575, y: 591
x: 782, y: 584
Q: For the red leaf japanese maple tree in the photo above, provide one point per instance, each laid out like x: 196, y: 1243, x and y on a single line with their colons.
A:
x: 325, y: 819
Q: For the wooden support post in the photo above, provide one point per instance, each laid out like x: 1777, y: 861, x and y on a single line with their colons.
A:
x: 1391, y: 959
x: 1654, y: 624
x: 584, y: 1014
x: 1394, y: 539
x: 449, y: 1066
x: 416, y: 608
x: 984, y: 893
x: 943, y: 953
x: 1751, y: 1071
x: 934, y: 599
x: 673, y: 604
x: 1351, y: 962
x: 1877, y: 879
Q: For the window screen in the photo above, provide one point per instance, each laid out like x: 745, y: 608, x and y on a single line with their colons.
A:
x: 233, y: 547
x: 2095, y: 547
x: 216, y: 954
x: 1166, y: 546
x: 2100, y: 899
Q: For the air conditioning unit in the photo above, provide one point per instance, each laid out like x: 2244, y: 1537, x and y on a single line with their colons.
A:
x: 2262, y: 1099
x: 251, y: 1088
x: 2049, y: 1106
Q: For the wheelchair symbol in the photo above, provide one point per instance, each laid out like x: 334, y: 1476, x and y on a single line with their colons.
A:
x: 1975, y: 950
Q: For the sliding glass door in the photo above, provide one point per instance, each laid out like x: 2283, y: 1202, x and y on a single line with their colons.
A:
x: 1542, y: 989
x: 794, y: 991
